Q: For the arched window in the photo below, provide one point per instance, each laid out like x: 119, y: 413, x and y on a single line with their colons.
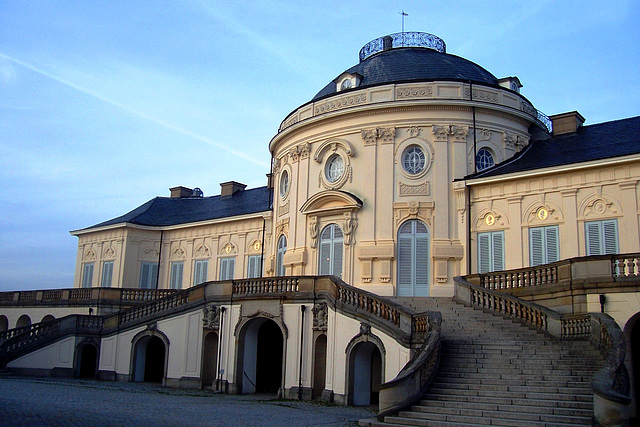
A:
x: 413, y: 259
x: 484, y: 159
x: 331, y: 241
x: 282, y: 249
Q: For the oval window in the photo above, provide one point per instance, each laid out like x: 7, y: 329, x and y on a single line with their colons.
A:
x: 334, y: 168
x: 284, y: 183
x: 413, y: 159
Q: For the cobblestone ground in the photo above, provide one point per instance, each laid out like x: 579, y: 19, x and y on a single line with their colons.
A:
x: 56, y: 402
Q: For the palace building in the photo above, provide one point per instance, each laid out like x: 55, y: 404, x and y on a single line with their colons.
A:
x: 409, y: 169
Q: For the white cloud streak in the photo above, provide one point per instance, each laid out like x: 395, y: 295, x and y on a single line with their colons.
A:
x: 134, y: 112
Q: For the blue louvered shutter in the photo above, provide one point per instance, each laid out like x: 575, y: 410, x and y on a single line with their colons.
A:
x: 552, y: 244
x: 610, y: 232
x: 498, y: 251
x: 536, y: 246
x: 484, y: 252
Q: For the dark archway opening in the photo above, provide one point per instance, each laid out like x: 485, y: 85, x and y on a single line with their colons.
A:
x: 154, y: 361
x: 210, y: 359
x: 365, y: 374
x: 269, y: 358
x: 23, y: 321
x: 319, y: 366
x: 88, y: 361
x: 260, y: 356
x: 48, y: 318
x: 149, y: 361
x: 635, y: 363
x: 4, y: 323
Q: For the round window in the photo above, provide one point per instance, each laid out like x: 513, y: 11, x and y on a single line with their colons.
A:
x: 484, y: 159
x: 346, y: 84
x: 284, y: 183
x: 334, y: 168
x: 413, y: 159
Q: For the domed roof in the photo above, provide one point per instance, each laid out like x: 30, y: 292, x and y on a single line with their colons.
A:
x: 406, y: 64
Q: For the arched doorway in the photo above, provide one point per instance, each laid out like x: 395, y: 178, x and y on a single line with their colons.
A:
x: 87, y: 361
x: 365, y: 374
x: 319, y: 366
x: 413, y: 259
x: 23, y: 321
x: 210, y: 359
x: 633, y: 337
x: 4, y: 323
x: 260, y: 351
x: 149, y: 359
x: 331, y: 244
x: 48, y: 318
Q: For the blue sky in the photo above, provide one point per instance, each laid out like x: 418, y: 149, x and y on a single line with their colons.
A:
x: 104, y: 105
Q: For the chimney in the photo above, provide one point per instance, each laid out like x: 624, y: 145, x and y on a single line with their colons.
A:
x: 566, y: 122
x: 387, y: 43
x: 180, y: 192
x: 230, y: 188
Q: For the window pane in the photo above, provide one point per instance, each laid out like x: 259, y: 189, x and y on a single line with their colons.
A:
x: 107, y: 274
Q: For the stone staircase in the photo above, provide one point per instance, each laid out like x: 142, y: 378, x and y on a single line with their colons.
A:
x: 497, y: 372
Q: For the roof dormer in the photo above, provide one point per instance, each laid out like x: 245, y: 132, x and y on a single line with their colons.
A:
x: 347, y: 81
x: 512, y: 83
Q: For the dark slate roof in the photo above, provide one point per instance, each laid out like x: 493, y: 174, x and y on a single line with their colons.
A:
x: 165, y: 211
x: 595, y: 142
x: 413, y: 64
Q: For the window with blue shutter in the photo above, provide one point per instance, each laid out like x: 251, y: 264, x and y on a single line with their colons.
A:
x: 543, y: 245
x: 601, y: 237
x: 200, y: 271
x: 107, y: 274
x: 227, y: 266
x: 413, y: 259
x: 331, y: 244
x: 87, y: 275
x: 282, y: 249
x: 490, y: 251
x: 254, y: 264
x: 148, y: 275
x: 177, y: 269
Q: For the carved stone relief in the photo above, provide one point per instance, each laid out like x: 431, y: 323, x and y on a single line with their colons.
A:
x: 320, y: 316
x: 211, y: 316
x: 414, y: 190
x: 414, y: 92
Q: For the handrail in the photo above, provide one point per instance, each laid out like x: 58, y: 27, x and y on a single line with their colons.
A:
x: 610, y: 383
x: 413, y: 380
x: 40, y: 333
x: 83, y: 296
x: 612, y: 380
x: 601, y: 268
x: 265, y: 285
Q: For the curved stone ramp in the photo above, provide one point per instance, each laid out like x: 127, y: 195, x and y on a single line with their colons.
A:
x: 494, y: 371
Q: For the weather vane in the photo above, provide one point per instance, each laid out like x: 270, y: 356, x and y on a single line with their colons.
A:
x: 403, y: 15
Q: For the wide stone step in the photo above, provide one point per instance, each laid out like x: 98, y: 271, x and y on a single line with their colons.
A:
x: 439, y: 406
x: 513, y: 381
x: 534, y: 375
x: 429, y: 398
x: 486, y: 418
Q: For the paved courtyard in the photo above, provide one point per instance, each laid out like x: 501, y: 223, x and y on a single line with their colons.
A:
x: 62, y: 402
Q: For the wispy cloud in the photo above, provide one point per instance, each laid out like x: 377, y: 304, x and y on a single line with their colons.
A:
x: 7, y: 71
x: 130, y: 110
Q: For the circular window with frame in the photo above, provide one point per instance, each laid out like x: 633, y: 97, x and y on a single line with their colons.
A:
x: 414, y: 160
x: 334, y: 168
x: 284, y: 184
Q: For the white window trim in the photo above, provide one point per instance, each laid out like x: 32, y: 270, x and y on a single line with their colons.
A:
x: 549, y: 237
x: 495, y: 254
x: 107, y: 274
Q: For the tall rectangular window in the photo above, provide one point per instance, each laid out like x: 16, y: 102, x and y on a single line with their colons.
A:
x: 227, y: 265
x: 601, y: 237
x: 490, y: 251
x: 107, y: 274
x: 87, y: 275
x: 254, y: 264
x: 200, y: 271
x: 148, y: 275
x: 543, y: 245
x: 177, y: 268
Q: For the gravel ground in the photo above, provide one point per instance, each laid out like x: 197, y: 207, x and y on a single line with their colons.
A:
x: 62, y: 402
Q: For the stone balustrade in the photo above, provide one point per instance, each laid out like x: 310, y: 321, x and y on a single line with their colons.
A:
x: 83, y: 296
